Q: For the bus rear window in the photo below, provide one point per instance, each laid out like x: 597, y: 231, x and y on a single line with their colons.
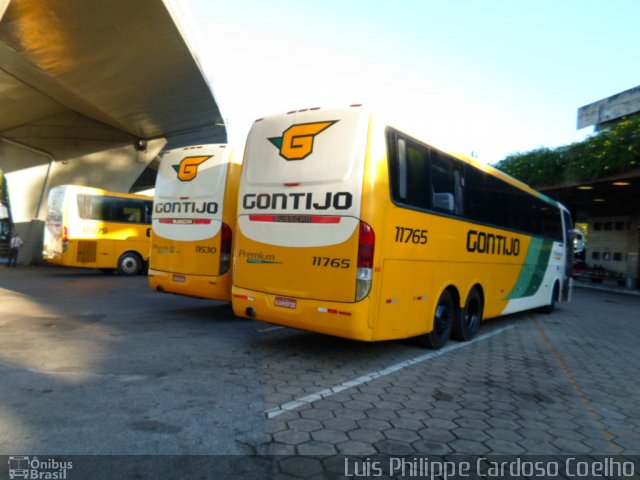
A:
x: 319, y: 147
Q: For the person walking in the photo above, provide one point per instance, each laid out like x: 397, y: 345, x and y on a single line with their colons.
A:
x: 14, y: 249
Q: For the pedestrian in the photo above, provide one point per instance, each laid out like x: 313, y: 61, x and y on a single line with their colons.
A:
x: 14, y: 249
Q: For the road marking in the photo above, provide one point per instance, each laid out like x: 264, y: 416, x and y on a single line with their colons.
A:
x: 269, y: 329
x: 327, y: 392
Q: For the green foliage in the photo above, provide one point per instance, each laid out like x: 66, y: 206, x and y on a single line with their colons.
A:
x: 608, y: 152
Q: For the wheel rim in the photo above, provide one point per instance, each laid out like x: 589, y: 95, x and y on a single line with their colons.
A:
x: 472, y: 315
x: 129, y: 265
x: 443, y: 318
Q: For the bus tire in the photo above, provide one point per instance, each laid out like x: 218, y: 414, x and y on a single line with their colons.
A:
x: 555, y: 296
x: 467, y: 323
x: 129, y: 264
x: 442, y: 322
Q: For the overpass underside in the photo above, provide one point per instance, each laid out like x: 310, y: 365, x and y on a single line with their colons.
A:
x: 90, y: 93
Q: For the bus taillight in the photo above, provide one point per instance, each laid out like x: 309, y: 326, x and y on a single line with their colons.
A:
x: 364, y: 275
x: 225, y: 249
x: 65, y: 239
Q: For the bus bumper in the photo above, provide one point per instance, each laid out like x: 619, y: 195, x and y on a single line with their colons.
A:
x: 200, y: 286
x: 346, y: 320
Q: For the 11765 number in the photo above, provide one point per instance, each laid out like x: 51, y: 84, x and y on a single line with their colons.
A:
x: 331, y: 262
x: 411, y: 235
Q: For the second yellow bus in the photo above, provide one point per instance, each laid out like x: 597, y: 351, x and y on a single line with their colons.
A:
x: 194, y: 217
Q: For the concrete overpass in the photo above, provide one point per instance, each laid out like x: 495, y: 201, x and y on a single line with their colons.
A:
x: 610, y: 206
x: 90, y: 93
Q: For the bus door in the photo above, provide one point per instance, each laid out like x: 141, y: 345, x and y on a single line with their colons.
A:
x: 568, y: 263
x: 54, y: 241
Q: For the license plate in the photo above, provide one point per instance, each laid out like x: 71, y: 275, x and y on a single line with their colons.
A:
x: 179, y: 278
x: 286, y: 302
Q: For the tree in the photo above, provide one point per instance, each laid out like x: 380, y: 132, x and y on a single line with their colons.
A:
x: 611, y: 151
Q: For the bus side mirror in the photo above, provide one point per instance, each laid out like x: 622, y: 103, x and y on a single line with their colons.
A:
x: 578, y: 241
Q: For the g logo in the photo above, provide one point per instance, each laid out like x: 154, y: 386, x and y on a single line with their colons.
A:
x: 187, y: 169
x: 296, y: 142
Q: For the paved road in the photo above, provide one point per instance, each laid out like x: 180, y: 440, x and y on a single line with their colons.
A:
x: 94, y: 364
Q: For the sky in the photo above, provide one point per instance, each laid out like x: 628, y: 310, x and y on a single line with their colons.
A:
x: 486, y: 78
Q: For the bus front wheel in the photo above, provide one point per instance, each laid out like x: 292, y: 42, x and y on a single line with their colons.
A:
x: 129, y: 264
x: 442, y: 322
x: 466, y: 324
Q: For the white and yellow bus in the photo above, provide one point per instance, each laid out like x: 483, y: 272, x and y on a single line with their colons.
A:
x: 349, y: 227
x: 193, y: 221
x: 95, y: 228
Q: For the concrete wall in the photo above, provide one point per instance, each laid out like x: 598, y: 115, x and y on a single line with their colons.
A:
x: 614, y: 244
x: 610, y: 108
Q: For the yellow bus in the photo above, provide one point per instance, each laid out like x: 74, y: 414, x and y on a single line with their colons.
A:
x: 193, y: 221
x: 94, y: 228
x: 350, y: 227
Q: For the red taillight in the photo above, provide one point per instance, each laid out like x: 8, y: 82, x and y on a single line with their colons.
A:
x: 65, y: 234
x: 366, y: 245
x: 364, y: 273
x: 225, y: 244
x: 225, y: 248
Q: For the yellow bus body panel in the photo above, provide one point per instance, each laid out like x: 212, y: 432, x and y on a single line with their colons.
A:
x: 347, y: 320
x: 215, y: 287
x: 415, y: 275
x: 109, y: 244
x: 326, y: 272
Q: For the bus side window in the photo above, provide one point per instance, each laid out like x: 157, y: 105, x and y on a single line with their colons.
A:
x: 446, y: 183
x: 409, y: 169
x: 402, y: 169
x: 417, y: 176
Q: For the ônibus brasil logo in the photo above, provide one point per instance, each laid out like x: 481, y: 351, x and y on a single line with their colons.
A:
x: 187, y: 169
x: 296, y: 142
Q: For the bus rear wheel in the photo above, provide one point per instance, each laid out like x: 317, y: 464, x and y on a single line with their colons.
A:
x: 129, y: 264
x: 442, y: 323
x: 467, y: 323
